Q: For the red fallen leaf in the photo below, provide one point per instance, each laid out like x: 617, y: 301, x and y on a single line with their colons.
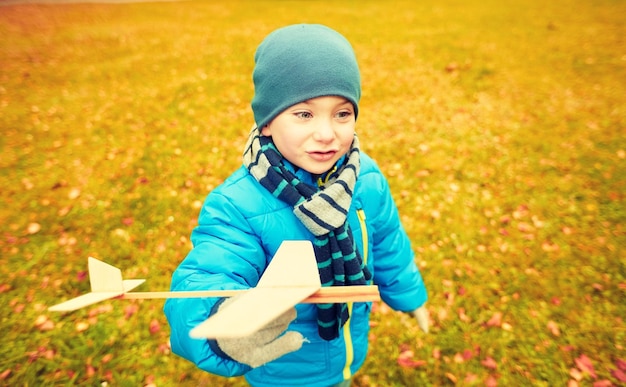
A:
x: 556, y: 301
x: 43, y: 323
x: 130, y: 310
x: 490, y: 363
x: 467, y: 354
x: 495, y: 320
x: 405, y: 359
x: 491, y: 381
x: 621, y: 364
x: 155, y: 326
x: 619, y: 375
x: 602, y: 383
x: 128, y: 221
x: 583, y: 362
x: 411, y: 363
x: 164, y: 348
x: 470, y: 378
x: 82, y: 275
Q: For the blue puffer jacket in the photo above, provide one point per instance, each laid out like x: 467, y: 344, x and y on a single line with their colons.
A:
x: 240, y: 228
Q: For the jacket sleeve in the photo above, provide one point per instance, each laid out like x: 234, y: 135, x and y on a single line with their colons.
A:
x: 226, y: 254
x: 395, y: 272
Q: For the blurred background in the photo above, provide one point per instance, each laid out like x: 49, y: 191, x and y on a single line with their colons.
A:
x: 499, y: 125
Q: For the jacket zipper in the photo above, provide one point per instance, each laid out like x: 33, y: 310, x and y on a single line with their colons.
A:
x: 321, y: 182
x: 347, y: 374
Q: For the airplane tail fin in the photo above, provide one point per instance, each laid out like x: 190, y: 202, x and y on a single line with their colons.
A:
x: 106, y: 282
x: 293, y: 265
x: 104, y: 277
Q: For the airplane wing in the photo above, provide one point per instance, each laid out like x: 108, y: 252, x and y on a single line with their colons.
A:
x: 290, y: 278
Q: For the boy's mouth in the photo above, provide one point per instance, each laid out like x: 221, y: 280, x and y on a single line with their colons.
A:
x: 322, y: 156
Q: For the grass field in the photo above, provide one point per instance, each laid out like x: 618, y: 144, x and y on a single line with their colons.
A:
x: 501, y: 127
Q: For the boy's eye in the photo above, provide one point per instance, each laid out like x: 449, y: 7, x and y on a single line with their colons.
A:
x: 303, y: 115
x: 344, y: 114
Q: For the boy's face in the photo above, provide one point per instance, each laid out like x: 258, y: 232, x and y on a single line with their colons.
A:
x: 315, y: 133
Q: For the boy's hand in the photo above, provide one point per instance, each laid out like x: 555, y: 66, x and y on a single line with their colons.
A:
x: 422, y: 316
x: 265, y: 345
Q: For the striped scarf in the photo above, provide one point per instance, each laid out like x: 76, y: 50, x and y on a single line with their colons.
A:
x: 323, y: 211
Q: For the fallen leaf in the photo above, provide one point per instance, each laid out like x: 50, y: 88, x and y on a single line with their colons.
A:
x: 406, y: 359
x: 490, y: 363
x: 5, y: 374
x: 602, y: 383
x: 576, y: 374
x: 621, y: 364
x: 583, y: 362
x: 450, y: 376
x: 462, y: 316
x: 43, y: 323
x: 82, y: 326
x: 33, y: 228
x: 130, y: 310
x: 470, y: 378
x: 491, y: 381
x: 495, y: 320
x: 619, y: 375
x: 155, y: 326
x: 554, y: 328
x: 74, y: 193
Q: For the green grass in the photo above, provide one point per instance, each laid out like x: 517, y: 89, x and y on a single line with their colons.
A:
x: 500, y: 126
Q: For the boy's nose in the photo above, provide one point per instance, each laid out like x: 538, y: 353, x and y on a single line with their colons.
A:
x: 324, y: 131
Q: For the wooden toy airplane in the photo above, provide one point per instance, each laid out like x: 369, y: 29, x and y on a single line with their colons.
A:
x: 290, y: 278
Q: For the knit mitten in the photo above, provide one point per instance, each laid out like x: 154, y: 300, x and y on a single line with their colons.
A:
x: 265, y: 345
x: 421, y: 314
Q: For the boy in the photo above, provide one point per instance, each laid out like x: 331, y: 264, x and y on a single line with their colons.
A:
x: 303, y: 178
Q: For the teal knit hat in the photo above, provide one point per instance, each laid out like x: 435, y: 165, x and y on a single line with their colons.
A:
x: 300, y: 62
